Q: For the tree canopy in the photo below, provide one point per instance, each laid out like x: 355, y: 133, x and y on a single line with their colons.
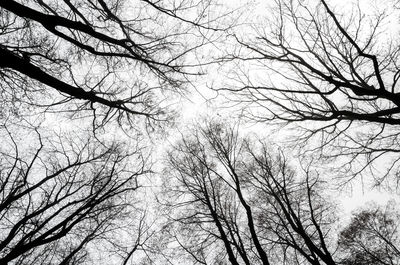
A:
x: 333, y: 73
x: 99, y: 164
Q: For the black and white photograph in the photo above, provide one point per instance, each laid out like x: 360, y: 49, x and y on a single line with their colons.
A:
x: 199, y: 132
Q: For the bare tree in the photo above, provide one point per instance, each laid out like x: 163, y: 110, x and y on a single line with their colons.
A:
x: 114, y: 59
x: 58, y: 198
x: 337, y: 68
x: 233, y: 201
x: 372, y: 237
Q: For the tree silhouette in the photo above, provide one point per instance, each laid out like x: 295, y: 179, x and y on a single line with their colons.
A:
x: 337, y: 71
x: 58, y: 197
x: 372, y: 237
x: 101, y: 62
x: 84, y: 83
x: 232, y: 200
x: 114, y: 59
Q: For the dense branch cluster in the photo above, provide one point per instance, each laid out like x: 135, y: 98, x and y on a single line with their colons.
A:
x: 111, y: 57
x: 85, y: 177
x: 333, y: 76
x: 69, y: 193
x: 372, y: 237
x: 57, y: 197
x: 233, y: 199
